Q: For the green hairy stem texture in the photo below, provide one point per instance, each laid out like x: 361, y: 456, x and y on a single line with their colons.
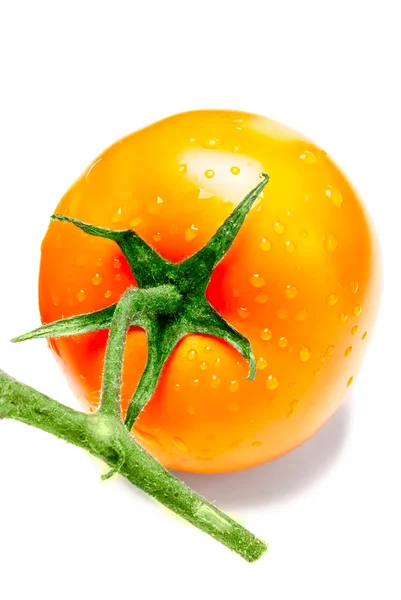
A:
x: 169, y: 303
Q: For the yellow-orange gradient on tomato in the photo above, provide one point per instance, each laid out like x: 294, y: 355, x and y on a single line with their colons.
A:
x: 300, y: 282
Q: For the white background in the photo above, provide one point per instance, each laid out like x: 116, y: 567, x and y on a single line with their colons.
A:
x: 75, y: 76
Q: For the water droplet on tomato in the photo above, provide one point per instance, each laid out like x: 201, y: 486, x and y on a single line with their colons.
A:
x: 192, y: 355
x: 354, y: 287
x: 308, y: 157
x: 211, y: 143
x: 293, y: 407
x: 301, y: 315
x: 265, y: 244
x: 243, y: 312
x: 304, y: 354
x: 290, y: 247
x: 180, y: 444
x: 118, y: 216
x: 261, y: 298
x: 332, y: 299
x: 215, y: 382
x: 291, y: 292
x: 97, y: 279
x: 147, y: 437
x: 191, y: 233
x: 272, y: 383
x: 203, y: 366
x: 282, y: 342
x: 266, y: 334
x: 257, y: 280
x: 81, y: 295
x: 335, y: 195
x: 135, y: 222
x: 330, y: 242
x: 261, y: 363
x: 234, y: 386
x: 278, y: 227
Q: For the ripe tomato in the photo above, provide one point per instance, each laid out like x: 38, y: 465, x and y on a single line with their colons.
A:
x: 300, y: 282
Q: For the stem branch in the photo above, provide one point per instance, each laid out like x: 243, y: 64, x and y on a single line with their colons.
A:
x: 105, y: 437
x: 133, y: 309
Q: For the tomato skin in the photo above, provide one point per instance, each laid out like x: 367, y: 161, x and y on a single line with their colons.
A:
x: 300, y: 282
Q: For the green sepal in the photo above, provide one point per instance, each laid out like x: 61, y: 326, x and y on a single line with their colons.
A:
x: 80, y: 324
x: 146, y: 264
x: 201, y: 317
x: 198, y: 269
x: 162, y: 339
x: 162, y: 299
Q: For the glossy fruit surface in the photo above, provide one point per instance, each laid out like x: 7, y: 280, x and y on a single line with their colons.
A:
x: 300, y: 282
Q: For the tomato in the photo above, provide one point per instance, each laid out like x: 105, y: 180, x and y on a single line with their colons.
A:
x: 300, y: 282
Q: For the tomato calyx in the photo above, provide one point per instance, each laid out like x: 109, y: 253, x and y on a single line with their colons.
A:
x: 169, y: 303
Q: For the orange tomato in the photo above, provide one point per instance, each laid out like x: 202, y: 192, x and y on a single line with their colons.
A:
x: 300, y: 282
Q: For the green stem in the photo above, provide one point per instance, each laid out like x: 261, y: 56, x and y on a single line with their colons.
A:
x: 133, y: 309
x: 108, y: 439
x: 169, y: 303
